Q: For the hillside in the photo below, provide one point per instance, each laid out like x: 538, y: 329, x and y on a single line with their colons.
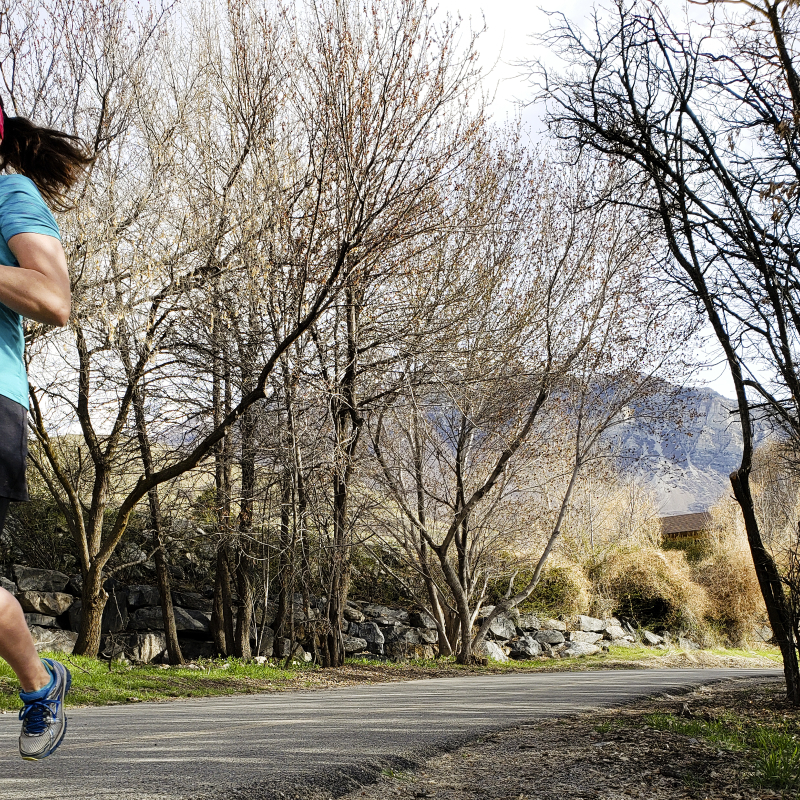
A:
x: 688, y: 464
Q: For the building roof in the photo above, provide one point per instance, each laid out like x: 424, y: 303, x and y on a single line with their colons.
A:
x: 685, y: 523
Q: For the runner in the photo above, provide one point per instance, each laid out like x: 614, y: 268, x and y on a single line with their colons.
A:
x: 34, y: 283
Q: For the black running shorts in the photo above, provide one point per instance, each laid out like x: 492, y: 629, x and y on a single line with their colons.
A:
x: 13, y: 449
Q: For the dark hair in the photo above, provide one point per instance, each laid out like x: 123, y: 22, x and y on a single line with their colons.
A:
x: 52, y: 159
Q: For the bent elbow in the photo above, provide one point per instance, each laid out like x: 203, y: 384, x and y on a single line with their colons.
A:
x: 59, y: 314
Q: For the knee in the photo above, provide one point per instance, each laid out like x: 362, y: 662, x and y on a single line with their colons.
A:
x: 8, y: 604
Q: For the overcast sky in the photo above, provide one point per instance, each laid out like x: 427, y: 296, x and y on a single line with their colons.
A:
x: 509, y: 26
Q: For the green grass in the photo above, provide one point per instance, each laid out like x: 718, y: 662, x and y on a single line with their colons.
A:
x: 94, y: 684
x: 773, y: 752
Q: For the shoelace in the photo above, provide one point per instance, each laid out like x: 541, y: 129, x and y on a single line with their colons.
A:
x: 33, y: 715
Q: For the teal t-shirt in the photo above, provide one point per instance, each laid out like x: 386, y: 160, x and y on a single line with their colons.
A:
x: 22, y: 210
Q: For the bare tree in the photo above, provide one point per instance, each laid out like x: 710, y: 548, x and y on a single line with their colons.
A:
x: 706, y: 117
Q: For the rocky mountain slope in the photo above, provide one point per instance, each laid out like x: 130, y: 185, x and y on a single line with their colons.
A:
x: 687, y: 463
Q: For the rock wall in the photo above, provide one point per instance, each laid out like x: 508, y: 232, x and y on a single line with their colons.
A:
x: 133, y: 627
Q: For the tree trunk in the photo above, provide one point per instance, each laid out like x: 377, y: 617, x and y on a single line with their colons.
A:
x: 93, y: 601
x: 780, y: 618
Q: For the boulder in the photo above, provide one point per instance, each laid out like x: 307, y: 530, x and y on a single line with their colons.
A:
x: 590, y: 624
x: 615, y: 632
x: 525, y: 647
x: 141, y: 596
x: 584, y: 636
x: 52, y: 604
x: 401, y: 633
x: 115, y: 613
x: 75, y: 585
x: 8, y: 585
x: 281, y: 650
x: 550, y: 637
x: 371, y: 633
x: 553, y: 625
x: 352, y: 644
x: 761, y: 633
x: 384, y: 615
x: 529, y: 622
x: 687, y: 644
x: 191, y: 600
x: 140, y: 647
x: 652, y: 639
x: 427, y: 636
x: 492, y: 651
x: 578, y: 649
x: 29, y: 579
x: 41, y: 620
x: 266, y: 646
x: 352, y: 614
x: 502, y: 628
x: 193, y: 649
x: 403, y: 651
x: 50, y: 639
x: 150, y: 619
x: 419, y: 619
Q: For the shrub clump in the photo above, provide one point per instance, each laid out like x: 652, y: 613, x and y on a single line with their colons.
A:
x: 654, y: 586
x: 563, y: 588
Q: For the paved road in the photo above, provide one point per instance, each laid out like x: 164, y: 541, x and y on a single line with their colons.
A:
x: 251, y: 747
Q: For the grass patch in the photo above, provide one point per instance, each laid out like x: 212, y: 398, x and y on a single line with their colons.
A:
x: 93, y: 683
x: 771, y: 751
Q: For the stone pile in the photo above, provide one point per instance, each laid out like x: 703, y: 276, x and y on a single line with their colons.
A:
x: 525, y: 636
x: 132, y: 625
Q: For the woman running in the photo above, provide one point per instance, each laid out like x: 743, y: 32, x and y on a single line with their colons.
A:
x: 34, y: 283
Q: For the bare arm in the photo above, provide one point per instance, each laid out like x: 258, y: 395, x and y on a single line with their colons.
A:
x: 39, y: 287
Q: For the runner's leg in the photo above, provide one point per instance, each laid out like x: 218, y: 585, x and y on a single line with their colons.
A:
x: 16, y: 644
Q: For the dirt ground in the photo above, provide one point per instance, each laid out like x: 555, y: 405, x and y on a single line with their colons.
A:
x: 613, y: 755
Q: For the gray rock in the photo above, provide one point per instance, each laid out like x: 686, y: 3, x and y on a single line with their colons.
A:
x: 578, y: 649
x: 590, y: 624
x: 75, y: 584
x: 384, y: 615
x: 687, y: 644
x: 352, y: 614
x: 420, y: 619
x: 115, y: 613
x: 550, y: 637
x: 191, y: 600
x: 51, y: 604
x: 584, y: 636
x: 186, y: 619
x: 401, y: 633
x: 492, y: 651
x: 529, y: 622
x: 525, y: 647
x: 29, y: 579
x: 405, y: 651
x: 371, y: 633
x: 50, y: 639
x: 615, y: 632
x: 652, y: 639
x: 502, y: 628
x: 144, y: 647
x: 8, y: 585
x: 141, y: 596
x: 760, y: 634
x: 41, y: 620
x: 192, y: 649
x: 266, y: 646
x: 553, y: 625
x: 352, y: 644
x: 427, y: 636
x: 282, y: 646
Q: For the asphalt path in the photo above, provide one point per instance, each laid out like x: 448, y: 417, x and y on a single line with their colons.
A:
x: 254, y: 747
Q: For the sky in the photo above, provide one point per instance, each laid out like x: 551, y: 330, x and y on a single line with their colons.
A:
x: 507, y: 40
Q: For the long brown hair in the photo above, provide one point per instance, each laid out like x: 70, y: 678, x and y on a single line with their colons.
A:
x: 52, y: 159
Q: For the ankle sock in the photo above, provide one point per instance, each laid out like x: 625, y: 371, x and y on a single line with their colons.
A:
x: 39, y: 693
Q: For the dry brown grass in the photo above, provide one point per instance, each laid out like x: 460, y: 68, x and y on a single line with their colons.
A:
x: 647, y: 575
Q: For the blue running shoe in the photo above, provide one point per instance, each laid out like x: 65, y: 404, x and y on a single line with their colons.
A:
x: 44, y: 722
